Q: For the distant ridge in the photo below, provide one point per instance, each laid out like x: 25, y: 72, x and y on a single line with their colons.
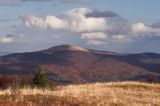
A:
x: 4, y: 53
x: 74, y: 64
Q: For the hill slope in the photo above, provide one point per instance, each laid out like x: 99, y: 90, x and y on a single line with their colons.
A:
x: 73, y: 64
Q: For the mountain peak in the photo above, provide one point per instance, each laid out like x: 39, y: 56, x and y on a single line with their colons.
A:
x: 68, y: 48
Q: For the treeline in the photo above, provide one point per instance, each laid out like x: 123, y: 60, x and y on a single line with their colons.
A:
x: 40, y: 80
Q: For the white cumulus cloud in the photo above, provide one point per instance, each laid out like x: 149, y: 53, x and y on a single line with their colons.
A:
x: 44, y: 23
x: 74, y: 21
x: 94, y: 35
x: 141, y: 28
x: 94, y: 26
x: 6, y: 40
x: 95, y: 42
x: 120, y: 37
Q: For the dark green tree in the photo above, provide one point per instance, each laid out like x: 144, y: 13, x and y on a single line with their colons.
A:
x: 40, y: 80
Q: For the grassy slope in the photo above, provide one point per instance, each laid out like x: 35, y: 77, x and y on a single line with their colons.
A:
x: 101, y: 94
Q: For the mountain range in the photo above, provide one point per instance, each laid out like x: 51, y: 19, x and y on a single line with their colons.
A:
x: 74, y: 64
x: 4, y: 53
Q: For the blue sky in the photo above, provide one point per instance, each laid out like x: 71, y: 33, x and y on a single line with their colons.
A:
x: 135, y: 28
x: 134, y: 10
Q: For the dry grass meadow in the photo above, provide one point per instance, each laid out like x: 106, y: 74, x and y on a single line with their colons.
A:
x: 98, y: 94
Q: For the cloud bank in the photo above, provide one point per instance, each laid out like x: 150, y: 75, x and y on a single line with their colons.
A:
x: 93, y: 26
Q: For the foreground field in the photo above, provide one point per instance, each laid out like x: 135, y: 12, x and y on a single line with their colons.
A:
x: 99, y: 94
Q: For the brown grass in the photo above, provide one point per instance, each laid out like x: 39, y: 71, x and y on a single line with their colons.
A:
x: 98, y: 94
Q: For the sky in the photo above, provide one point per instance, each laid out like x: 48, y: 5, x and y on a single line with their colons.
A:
x: 125, y: 26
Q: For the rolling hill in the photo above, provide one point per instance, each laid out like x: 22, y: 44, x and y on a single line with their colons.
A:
x: 74, y: 64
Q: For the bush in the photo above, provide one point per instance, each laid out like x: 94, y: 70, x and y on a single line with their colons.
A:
x: 9, y: 81
x: 152, y: 78
x: 26, y: 84
x: 14, y: 81
x: 40, y: 80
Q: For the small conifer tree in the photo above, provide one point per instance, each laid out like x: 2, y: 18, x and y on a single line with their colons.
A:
x: 40, y: 80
